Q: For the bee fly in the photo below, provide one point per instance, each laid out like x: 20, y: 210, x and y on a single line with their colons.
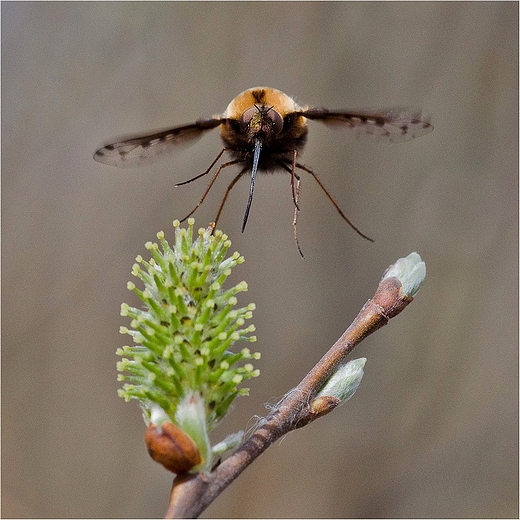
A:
x: 263, y: 130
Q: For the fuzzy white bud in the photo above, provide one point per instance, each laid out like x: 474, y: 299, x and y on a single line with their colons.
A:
x: 410, y: 271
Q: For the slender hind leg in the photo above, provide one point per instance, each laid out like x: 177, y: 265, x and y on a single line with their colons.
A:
x: 292, y: 171
x: 329, y: 196
x: 295, y: 189
x: 296, y: 200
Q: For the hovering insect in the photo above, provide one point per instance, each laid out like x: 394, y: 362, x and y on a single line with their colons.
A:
x: 263, y: 130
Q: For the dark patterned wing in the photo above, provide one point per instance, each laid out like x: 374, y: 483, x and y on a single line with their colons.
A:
x: 396, y: 125
x: 130, y: 151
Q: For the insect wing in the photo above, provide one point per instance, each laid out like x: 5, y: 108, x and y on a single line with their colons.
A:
x: 131, y: 151
x: 396, y: 125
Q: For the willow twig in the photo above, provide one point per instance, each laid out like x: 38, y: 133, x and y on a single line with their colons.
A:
x: 192, y: 493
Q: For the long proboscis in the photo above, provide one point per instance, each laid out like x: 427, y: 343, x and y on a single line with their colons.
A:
x: 256, y: 158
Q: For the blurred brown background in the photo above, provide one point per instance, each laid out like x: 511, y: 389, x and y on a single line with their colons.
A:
x: 433, y: 429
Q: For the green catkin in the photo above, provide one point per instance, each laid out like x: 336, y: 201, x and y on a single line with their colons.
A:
x: 185, y: 331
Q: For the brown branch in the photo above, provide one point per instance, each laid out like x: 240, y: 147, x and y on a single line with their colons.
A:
x: 192, y: 493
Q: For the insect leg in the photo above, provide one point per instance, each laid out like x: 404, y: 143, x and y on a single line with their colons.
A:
x: 229, y: 188
x: 295, y: 186
x: 210, y: 185
x: 329, y: 196
x: 296, y: 199
x: 205, y: 172
x: 293, y: 176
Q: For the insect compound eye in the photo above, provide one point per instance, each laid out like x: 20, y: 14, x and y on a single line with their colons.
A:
x: 247, y: 116
x: 277, y: 120
x: 256, y: 118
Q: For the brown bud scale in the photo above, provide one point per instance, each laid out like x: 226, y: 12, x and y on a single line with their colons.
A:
x: 172, y: 447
